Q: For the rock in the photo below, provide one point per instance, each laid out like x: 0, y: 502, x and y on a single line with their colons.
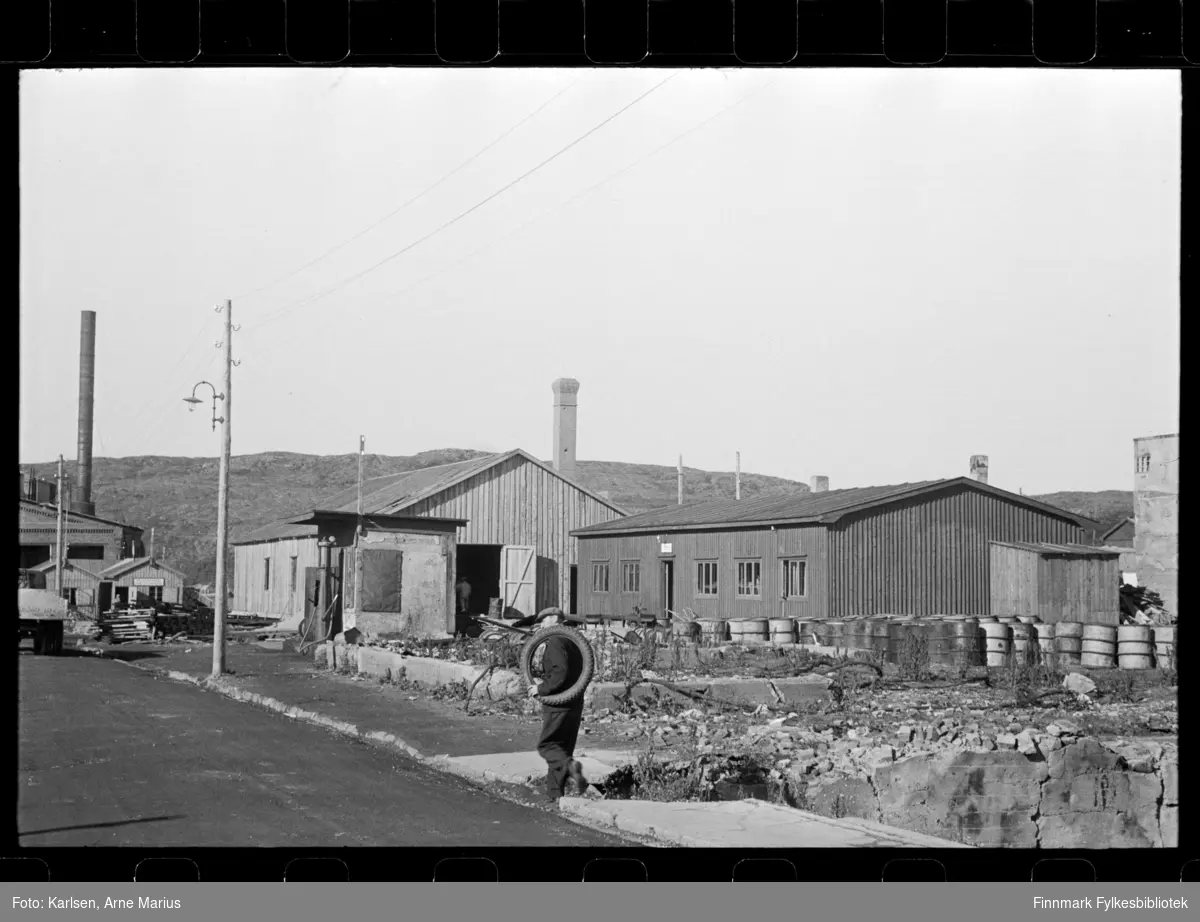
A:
x: 1025, y: 744
x: 905, y: 734
x: 1015, y: 727
x: 1139, y: 756
x: 1085, y: 756
x: 1006, y: 741
x: 1168, y: 824
x: 1079, y: 684
x: 824, y: 766
x: 1170, y: 779
x: 837, y: 796
x: 1050, y: 744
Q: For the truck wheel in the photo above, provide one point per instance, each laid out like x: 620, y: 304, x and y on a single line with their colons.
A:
x: 57, y: 640
x: 585, y: 649
x: 40, y: 640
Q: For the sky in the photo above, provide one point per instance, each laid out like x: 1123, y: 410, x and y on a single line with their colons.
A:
x: 866, y: 274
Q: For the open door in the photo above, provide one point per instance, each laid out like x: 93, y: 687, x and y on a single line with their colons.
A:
x: 668, y: 587
x: 313, y: 627
x: 104, y: 595
x: 518, y: 580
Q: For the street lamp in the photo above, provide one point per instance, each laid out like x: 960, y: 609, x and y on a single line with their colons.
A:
x: 193, y: 400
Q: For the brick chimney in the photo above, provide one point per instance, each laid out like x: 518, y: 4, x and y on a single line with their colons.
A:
x: 566, y: 404
x: 979, y: 468
x: 818, y: 484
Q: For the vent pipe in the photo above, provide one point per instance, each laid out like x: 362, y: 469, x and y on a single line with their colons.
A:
x: 819, y: 484
x: 87, y: 384
x: 979, y: 468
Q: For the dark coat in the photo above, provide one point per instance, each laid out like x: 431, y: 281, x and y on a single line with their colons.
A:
x: 562, y: 665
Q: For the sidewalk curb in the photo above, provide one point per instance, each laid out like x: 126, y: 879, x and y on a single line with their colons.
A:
x: 439, y: 763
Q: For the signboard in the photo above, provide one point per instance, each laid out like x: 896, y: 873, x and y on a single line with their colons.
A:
x: 149, y: 581
x: 666, y: 548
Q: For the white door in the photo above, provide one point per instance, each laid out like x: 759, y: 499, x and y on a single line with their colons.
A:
x: 518, y: 580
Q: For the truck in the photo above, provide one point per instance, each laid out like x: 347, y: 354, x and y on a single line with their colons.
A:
x: 40, y: 614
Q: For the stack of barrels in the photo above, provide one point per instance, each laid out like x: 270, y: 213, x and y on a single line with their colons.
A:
x: 997, y: 635
x: 1135, y: 646
x: 1099, y: 646
x: 1044, y: 637
x: 1164, y: 646
x: 713, y: 629
x: 783, y: 630
x: 1068, y: 643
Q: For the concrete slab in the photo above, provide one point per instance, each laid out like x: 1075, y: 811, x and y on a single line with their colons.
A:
x: 743, y: 824
x: 527, y: 767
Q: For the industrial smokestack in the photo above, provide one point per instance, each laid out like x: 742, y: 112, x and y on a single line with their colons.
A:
x: 979, y: 468
x: 818, y: 484
x: 87, y: 385
x: 566, y: 406
x: 737, y: 476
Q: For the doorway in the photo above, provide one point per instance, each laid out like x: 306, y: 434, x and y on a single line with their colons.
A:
x: 574, y: 610
x: 668, y: 586
x: 479, y: 565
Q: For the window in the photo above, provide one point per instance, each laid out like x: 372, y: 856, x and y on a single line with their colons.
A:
x: 706, y: 577
x: 69, y: 595
x: 600, y: 577
x: 631, y: 576
x: 793, y: 579
x: 266, y: 575
x: 152, y: 593
x: 1143, y: 463
x: 749, y: 584
x: 292, y: 579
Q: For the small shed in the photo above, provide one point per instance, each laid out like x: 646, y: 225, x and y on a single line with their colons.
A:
x: 1120, y: 535
x: 140, y: 581
x: 384, y: 575
x: 1056, y: 582
x: 78, y: 586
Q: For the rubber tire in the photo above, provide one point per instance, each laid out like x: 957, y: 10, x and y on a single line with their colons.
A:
x: 39, y: 641
x: 585, y: 649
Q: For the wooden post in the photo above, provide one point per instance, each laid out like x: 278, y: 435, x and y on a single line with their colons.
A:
x: 152, y: 542
x: 680, y: 478
x: 737, y: 476
x: 58, y: 541
x: 222, y: 590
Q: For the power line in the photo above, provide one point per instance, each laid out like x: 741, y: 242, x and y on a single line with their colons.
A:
x: 462, y: 215
x: 420, y: 195
x: 519, y: 229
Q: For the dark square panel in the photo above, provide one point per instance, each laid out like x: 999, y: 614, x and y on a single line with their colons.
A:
x: 764, y: 31
x: 541, y: 27
x: 24, y: 31
x: 691, y: 27
x: 616, y: 31
x: 840, y: 27
x: 391, y: 27
x: 466, y: 31
x: 992, y: 28
x: 242, y: 28
x: 914, y: 31
x: 317, y: 31
x: 1064, y: 31
x: 168, y: 31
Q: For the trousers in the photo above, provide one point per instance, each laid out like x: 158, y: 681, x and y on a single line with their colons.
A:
x: 560, y: 730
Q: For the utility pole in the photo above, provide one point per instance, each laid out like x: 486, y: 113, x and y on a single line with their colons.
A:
x: 222, y: 594
x: 151, y: 542
x: 58, y: 541
x: 680, y: 480
x: 362, y: 446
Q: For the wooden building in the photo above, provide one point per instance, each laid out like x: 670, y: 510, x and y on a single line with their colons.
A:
x: 78, y: 587
x: 515, y: 542
x: 1056, y: 582
x: 140, y: 581
x: 1120, y: 535
x: 918, y: 548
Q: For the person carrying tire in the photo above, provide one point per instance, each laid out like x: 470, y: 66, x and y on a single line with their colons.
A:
x: 562, y: 666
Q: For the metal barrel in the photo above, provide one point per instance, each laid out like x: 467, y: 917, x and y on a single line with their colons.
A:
x: 804, y: 631
x: 966, y: 646
x: 1046, y: 643
x: 783, y: 630
x: 1164, y: 646
x: 997, y: 637
x: 879, y: 632
x: 1024, y: 646
x: 757, y: 629
x: 1098, y: 648
x: 836, y: 633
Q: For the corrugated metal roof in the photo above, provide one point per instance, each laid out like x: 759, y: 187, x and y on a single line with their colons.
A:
x: 69, y: 514
x: 1116, y: 528
x: 794, y: 508
x: 276, y: 531
x: 125, y: 566
x: 1060, y: 550
x: 381, y: 493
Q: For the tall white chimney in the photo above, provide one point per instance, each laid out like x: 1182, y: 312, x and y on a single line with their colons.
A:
x: 979, y: 468
x: 818, y: 484
x: 566, y: 405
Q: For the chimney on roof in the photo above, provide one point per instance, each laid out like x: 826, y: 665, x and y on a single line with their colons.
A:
x: 82, y: 501
x: 818, y: 484
x: 979, y: 468
x: 737, y: 477
x: 566, y: 405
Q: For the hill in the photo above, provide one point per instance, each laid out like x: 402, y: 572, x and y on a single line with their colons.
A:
x: 177, y: 497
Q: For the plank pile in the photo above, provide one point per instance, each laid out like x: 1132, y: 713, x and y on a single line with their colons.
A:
x: 136, y: 625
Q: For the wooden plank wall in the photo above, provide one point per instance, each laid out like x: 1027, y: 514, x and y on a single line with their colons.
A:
x: 279, y: 601
x: 521, y: 503
x: 1014, y: 581
x: 1079, y: 589
x: 930, y: 555
x: 726, y: 548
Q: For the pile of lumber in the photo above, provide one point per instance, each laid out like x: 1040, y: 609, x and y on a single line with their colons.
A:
x: 129, y: 626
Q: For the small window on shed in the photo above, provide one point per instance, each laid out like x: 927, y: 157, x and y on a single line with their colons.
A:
x: 1143, y: 463
x: 600, y: 576
x: 631, y: 576
x: 706, y: 577
x: 749, y: 584
x: 267, y: 575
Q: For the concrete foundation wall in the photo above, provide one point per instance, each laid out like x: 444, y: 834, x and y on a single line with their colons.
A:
x: 1083, y: 794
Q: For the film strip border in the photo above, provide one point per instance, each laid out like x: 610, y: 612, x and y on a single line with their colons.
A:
x: 1093, y: 33
x: 633, y: 865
